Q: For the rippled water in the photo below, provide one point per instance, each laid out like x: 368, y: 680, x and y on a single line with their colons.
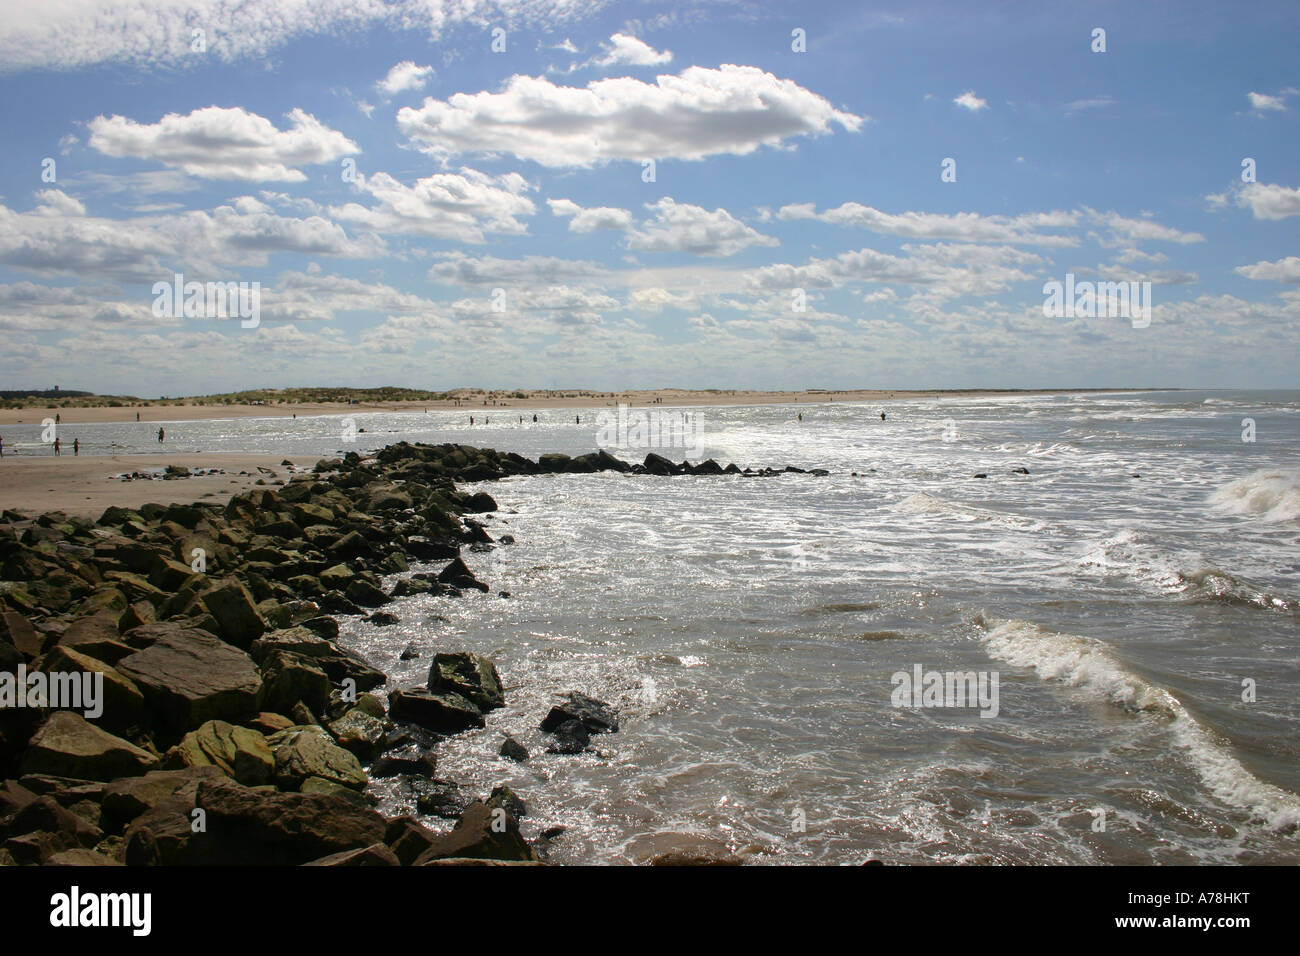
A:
x: 748, y: 628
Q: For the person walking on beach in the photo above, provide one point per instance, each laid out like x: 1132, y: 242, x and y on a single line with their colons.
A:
x: 160, y: 436
x: 56, y: 446
x: 137, y: 416
x: 76, y: 447
x: 57, y: 420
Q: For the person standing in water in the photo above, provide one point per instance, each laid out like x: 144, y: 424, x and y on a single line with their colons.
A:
x: 56, y: 446
x: 882, y: 416
x: 160, y: 436
x: 76, y: 447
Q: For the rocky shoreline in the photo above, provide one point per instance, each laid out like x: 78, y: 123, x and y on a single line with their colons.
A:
x: 228, y: 725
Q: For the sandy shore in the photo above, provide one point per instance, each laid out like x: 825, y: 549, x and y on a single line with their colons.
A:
x: 86, y: 486
x: 504, y: 399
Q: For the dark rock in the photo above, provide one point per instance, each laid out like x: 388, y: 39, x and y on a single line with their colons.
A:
x: 67, y: 746
x: 596, y: 716
x: 189, y: 677
x: 481, y: 833
x: 470, y: 675
x: 249, y: 827
x: 441, y: 713
x: 418, y: 765
x: 408, y: 838
x: 513, y: 750
x: 503, y: 796
x: 376, y: 855
x: 571, y: 737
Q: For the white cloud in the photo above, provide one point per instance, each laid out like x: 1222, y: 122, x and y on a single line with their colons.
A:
x: 69, y: 34
x: 697, y: 113
x: 405, y: 76
x: 681, y: 227
x: 970, y: 101
x: 459, y: 269
x: 964, y: 226
x: 625, y: 50
x: 590, y: 219
x: 1263, y: 102
x: 56, y: 237
x: 1269, y: 200
x: 217, y: 143
x: 1283, y: 270
x: 1127, y: 230
x: 462, y: 206
x: 944, y: 270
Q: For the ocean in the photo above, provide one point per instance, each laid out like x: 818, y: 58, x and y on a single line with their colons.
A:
x: 1134, y: 598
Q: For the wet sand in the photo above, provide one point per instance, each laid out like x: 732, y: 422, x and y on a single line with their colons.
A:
x: 86, y: 485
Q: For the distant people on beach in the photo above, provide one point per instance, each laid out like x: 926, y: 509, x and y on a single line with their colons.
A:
x: 160, y: 436
x: 534, y: 418
x: 137, y: 416
x: 577, y: 419
x: 57, y: 420
x: 2, y: 446
x: 471, y: 419
x: 56, y: 446
x: 76, y: 447
x: 882, y: 416
x: 801, y: 416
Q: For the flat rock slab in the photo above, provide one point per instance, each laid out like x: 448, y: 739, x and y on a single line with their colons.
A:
x: 67, y: 745
x: 190, y: 676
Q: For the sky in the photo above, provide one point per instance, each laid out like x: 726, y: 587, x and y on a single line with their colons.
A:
x: 565, y: 194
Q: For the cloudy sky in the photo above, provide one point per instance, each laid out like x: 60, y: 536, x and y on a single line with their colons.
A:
x: 562, y: 193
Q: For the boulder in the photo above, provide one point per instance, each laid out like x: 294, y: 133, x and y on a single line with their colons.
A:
x: 290, y: 678
x: 121, y: 705
x: 470, y: 675
x: 359, y: 733
x: 596, y: 716
x: 189, y: 677
x: 127, y: 798
x: 235, y: 612
x: 441, y: 713
x: 248, y: 827
x: 571, y: 737
x: 513, y: 750
x: 239, y: 752
x: 66, y: 745
x: 302, y: 752
x: 408, y: 838
x: 482, y: 833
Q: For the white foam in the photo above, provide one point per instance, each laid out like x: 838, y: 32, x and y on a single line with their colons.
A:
x: 1272, y: 495
x: 1085, y: 663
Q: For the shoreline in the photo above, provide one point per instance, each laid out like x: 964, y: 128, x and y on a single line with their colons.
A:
x: 207, y: 640
x: 533, y: 400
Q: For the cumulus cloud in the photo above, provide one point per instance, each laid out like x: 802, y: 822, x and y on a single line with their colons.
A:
x: 57, y: 238
x: 681, y: 227
x: 590, y: 219
x: 217, y: 143
x: 462, y: 206
x: 964, y: 226
x: 1283, y: 270
x: 697, y: 113
x: 1269, y: 200
x: 945, y: 270
x: 459, y: 269
x: 970, y: 101
x: 625, y: 50
x: 405, y: 76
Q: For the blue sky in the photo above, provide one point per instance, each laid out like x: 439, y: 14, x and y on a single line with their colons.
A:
x: 499, y: 230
